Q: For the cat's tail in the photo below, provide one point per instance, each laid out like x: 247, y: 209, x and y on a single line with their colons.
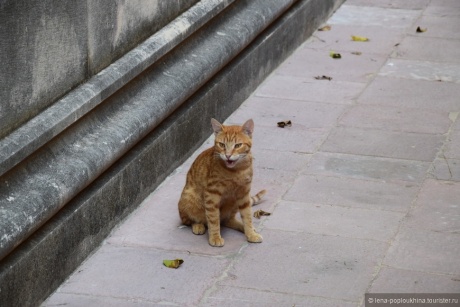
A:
x: 255, y: 200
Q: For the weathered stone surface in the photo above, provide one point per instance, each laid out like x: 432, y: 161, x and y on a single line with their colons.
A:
x: 318, y: 265
x: 316, y: 189
x: 52, y: 121
x: 196, y: 270
x: 381, y: 143
x: 115, y: 27
x: 365, y: 167
x: 44, y: 54
x: 392, y: 280
x: 436, y: 252
x: 422, y: 70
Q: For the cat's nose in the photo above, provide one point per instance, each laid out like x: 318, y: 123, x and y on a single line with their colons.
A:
x: 228, y: 157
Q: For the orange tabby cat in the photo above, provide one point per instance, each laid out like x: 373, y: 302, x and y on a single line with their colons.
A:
x: 218, y: 185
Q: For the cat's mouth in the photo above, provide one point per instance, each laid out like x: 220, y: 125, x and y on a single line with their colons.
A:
x: 229, y: 163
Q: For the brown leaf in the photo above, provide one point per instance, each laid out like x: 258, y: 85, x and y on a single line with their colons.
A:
x: 259, y: 213
x: 323, y: 78
x: 325, y: 28
x: 286, y: 123
x: 420, y: 30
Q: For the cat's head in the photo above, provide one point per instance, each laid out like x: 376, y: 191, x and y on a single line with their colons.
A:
x: 232, y: 143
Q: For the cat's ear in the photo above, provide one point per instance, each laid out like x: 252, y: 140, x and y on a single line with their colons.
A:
x: 248, y: 127
x: 216, y: 126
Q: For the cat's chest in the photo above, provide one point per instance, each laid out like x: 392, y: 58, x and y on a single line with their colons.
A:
x: 235, y: 181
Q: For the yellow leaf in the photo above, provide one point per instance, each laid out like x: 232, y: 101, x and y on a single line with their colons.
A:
x: 359, y: 38
x: 173, y: 264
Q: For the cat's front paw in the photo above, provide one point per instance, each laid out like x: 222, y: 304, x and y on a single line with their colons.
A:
x: 216, y: 241
x: 255, y: 238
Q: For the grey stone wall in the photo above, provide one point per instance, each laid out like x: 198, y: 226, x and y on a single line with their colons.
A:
x: 48, y: 47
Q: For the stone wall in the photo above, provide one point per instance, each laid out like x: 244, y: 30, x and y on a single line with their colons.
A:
x: 89, y: 156
x: 49, y: 47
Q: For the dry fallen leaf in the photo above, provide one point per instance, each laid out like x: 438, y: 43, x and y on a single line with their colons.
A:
x: 325, y: 28
x: 359, y: 38
x: 357, y: 52
x: 323, y: 78
x: 173, y: 264
x: 259, y: 213
x: 420, y: 30
x: 334, y: 55
x: 286, y: 123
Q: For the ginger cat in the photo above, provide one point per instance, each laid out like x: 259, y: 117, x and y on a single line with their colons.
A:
x: 218, y: 185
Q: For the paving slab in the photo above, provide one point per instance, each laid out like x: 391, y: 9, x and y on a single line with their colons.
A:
x: 397, y: 92
x: 269, y: 111
x: 437, y: 207
x: 453, y: 146
x: 335, y: 220
x: 401, y: 4
x: 309, y: 89
x: 306, y: 62
x: 293, y: 138
x: 313, y: 265
x: 82, y: 300
x: 424, y: 250
x: 338, y: 38
x: 432, y: 49
x: 436, y: 25
x: 375, y: 16
x: 381, y: 143
x: 446, y: 169
x: 391, y: 280
x: 139, y: 277
x: 238, y: 296
x: 437, y: 9
x: 397, y: 119
x: 422, y: 70
x: 366, y: 167
x: 381, y: 195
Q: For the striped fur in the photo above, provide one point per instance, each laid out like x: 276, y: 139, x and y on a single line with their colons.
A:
x: 218, y: 185
x: 256, y: 199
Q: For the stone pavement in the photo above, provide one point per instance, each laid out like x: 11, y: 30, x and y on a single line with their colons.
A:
x: 364, y: 187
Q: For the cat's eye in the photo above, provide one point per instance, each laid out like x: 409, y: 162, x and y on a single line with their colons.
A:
x: 222, y: 145
x: 238, y: 145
